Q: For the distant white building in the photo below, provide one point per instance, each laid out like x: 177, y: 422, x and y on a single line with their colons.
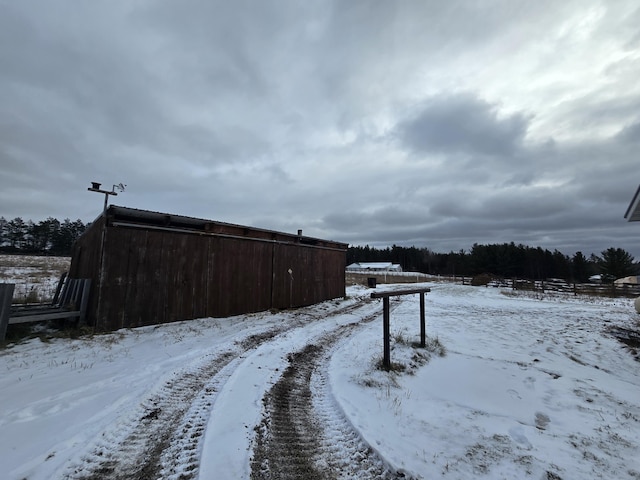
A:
x: 374, y: 267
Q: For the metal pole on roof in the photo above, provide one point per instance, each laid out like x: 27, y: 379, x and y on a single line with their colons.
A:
x: 95, y: 187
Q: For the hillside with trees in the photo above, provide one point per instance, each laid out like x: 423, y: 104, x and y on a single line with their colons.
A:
x: 506, y: 260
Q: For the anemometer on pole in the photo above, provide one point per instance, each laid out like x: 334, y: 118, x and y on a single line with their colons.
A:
x: 95, y: 187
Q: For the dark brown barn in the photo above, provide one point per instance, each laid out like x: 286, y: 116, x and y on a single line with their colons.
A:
x: 148, y: 267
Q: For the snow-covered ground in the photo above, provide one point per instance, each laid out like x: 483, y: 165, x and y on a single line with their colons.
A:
x: 527, y: 388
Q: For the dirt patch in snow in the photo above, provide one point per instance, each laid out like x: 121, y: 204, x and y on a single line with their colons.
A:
x: 629, y: 337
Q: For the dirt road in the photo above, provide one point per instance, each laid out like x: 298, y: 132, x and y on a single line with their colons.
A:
x: 301, y: 433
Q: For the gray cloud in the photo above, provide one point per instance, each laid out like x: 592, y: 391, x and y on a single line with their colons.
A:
x: 436, y: 124
x: 462, y: 124
x: 630, y: 133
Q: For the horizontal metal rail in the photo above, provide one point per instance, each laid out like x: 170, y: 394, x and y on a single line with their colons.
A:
x: 42, y: 315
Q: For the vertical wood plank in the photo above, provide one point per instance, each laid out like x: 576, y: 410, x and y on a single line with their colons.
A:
x: 84, y: 300
x: 6, y: 295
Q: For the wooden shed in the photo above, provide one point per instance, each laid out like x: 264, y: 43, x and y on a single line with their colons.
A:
x: 149, y: 267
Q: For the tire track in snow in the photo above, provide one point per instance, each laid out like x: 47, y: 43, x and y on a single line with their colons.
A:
x: 162, y: 437
x: 304, y: 434
x: 134, y: 449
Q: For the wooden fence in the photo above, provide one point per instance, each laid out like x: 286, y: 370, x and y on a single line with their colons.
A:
x: 626, y: 290
x: 361, y: 278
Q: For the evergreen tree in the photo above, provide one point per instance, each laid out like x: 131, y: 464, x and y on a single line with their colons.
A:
x: 506, y: 260
x: 4, y: 232
x: 580, y: 268
x: 45, y: 237
x: 616, y: 263
x: 561, y: 266
x: 16, y: 232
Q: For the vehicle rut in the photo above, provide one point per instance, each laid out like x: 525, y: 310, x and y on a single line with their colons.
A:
x: 304, y: 434
x: 163, y: 439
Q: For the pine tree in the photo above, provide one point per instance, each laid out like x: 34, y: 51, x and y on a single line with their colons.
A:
x: 579, y: 268
x: 616, y: 263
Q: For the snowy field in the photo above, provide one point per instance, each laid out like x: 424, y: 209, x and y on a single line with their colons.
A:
x: 35, y: 277
x: 526, y: 388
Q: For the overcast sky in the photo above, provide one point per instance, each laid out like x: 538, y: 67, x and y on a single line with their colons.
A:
x: 438, y: 124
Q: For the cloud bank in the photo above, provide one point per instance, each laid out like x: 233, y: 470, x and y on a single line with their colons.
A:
x: 411, y: 123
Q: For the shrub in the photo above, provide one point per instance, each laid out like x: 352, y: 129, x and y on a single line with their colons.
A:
x: 481, y: 280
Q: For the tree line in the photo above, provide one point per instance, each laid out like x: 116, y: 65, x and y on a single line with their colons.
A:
x: 506, y: 260
x: 47, y: 237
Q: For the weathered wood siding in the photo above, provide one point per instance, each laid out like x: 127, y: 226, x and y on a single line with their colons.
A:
x: 316, y: 274
x: 85, y: 262
x: 156, y: 275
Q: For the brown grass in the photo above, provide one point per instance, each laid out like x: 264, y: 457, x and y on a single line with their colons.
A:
x: 35, y: 277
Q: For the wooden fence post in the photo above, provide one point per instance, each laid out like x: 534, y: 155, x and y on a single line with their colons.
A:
x: 6, y: 295
x: 386, y: 360
x: 423, y: 328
